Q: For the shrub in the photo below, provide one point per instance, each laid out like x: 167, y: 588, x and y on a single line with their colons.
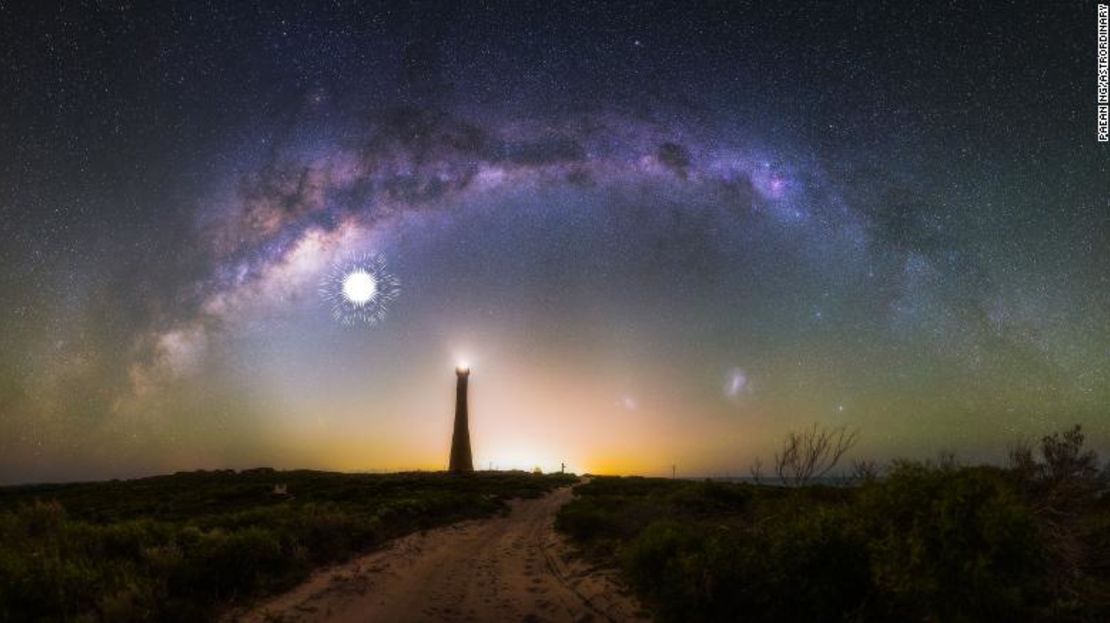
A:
x: 929, y: 541
x: 587, y: 521
x: 178, y: 548
x: 709, y: 499
x: 668, y: 560
x: 811, y: 567
x: 956, y: 543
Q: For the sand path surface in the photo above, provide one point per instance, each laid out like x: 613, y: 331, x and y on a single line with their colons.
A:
x: 511, y: 568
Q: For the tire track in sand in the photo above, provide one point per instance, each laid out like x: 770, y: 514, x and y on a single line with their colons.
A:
x: 510, y: 568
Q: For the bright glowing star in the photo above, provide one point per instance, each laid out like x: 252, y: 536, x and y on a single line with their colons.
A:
x: 360, y: 290
x: 359, y: 287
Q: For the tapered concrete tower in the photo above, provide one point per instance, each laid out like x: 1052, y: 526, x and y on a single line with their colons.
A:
x: 461, y: 460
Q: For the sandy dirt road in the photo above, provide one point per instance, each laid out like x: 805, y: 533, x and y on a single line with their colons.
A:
x: 512, y: 568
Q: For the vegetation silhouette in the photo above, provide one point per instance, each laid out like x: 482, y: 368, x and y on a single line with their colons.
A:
x: 186, y: 546
x: 912, y: 540
x: 920, y: 540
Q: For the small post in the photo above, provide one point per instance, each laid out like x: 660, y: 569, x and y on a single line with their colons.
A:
x: 672, y: 471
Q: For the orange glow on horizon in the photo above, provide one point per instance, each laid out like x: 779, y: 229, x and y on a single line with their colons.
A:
x: 525, y: 410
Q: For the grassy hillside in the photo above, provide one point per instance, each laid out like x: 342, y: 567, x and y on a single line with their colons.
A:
x: 181, y: 547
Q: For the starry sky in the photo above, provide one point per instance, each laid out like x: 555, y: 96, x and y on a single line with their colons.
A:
x: 660, y: 233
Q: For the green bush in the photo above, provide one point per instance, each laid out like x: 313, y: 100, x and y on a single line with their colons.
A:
x: 928, y: 542
x: 810, y: 567
x: 588, y: 522
x: 709, y: 499
x: 668, y: 559
x: 178, y: 548
x: 958, y: 543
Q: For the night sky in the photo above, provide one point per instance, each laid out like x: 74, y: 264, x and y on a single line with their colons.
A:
x: 659, y: 233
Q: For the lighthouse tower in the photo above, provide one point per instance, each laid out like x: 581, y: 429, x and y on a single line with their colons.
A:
x: 461, y: 460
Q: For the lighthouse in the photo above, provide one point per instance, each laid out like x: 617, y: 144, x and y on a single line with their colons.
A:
x: 461, y: 460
